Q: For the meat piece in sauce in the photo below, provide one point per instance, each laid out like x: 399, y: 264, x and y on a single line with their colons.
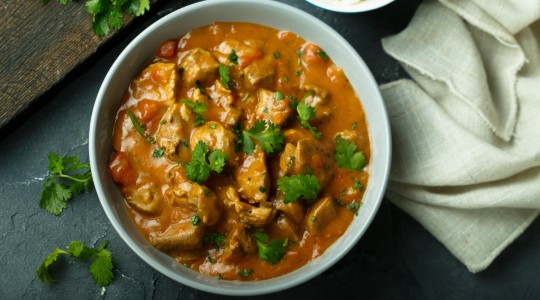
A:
x: 193, y: 196
x: 217, y: 137
x: 284, y: 228
x: 308, y: 155
x: 252, y: 177
x: 238, y: 242
x: 320, y: 214
x: 146, y: 198
x: 259, y: 73
x: 179, y: 236
x: 270, y: 109
x: 246, y: 51
x: 156, y: 82
x: 198, y: 66
x: 223, y: 98
x: 292, y: 210
x: 173, y: 133
x: 249, y: 214
x: 319, y: 101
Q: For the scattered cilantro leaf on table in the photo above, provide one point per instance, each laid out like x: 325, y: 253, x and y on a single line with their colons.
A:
x: 269, y: 136
x: 100, y: 268
x: 107, y: 14
x: 198, y: 107
x: 301, y: 186
x: 67, y: 178
x: 346, y: 155
x: 271, y: 252
x: 198, y: 169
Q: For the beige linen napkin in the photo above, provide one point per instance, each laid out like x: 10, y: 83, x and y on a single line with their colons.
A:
x: 466, y: 131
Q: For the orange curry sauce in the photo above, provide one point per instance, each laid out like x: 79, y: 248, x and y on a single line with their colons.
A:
x: 289, y: 65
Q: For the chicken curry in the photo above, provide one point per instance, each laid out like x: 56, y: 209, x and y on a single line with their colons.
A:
x: 241, y: 151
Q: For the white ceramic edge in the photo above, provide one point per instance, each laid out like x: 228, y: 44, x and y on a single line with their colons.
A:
x: 380, y: 163
x: 366, y: 5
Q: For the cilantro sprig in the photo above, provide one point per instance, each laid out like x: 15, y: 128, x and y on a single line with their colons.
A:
x: 272, y: 251
x: 100, y: 268
x: 306, y: 113
x: 107, y: 14
x: 267, y: 134
x: 139, y: 127
x: 224, y: 76
x: 301, y: 186
x: 67, y: 178
x: 346, y: 155
x: 198, y: 107
x: 215, y: 238
x: 198, y: 169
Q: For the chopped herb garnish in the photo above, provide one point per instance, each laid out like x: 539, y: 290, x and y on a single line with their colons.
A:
x: 139, y: 127
x: 245, y: 273
x: 198, y: 169
x: 354, y: 125
x: 198, y: 107
x: 246, y: 97
x: 265, y: 110
x: 354, y: 207
x: 306, y: 113
x: 271, y: 252
x: 300, y: 54
x: 298, y: 73
x: 233, y: 58
x: 275, y: 55
x: 322, y: 54
x: 301, y: 186
x: 211, y: 259
x: 200, y: 87
x: 224, y: 76
x: 162, y: 122
x: 313, y: 218
x: 216, y: 239
x: 207, y: 193
x: 346, y: 155
x: 357, y: 185
x: 262, y: 189
x: 278, y: 96
x: 158, y: 153
x: 269, y: 136
x: 212, y: 126
x: 285, y: 79
x: 195, y: 220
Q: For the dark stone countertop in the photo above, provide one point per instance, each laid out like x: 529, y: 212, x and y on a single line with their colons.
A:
x: 396, y: 259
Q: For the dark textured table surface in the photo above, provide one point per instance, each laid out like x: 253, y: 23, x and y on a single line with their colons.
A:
x: 396, y: 259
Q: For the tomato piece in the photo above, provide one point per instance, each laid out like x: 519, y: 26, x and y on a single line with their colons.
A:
x: 148, y: 109
x: 121, y: 170
x: 167, y: 49
x: 314, y: 55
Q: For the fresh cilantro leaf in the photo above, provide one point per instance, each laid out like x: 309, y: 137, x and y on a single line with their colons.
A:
x: 306, y: 113
x: 100, y: 268
x: 43, y: 269
x: 357, y: 184
x: 224, y: 76
x: 267, y: 134
x: 278, y: 96
x: 217, y: 160
x: 195, y: 220
x: 245, y: 273
x: 233, y: 58
x: 302, y: 186
x: 158, y: 153
x: 322, y: 54
x: 300, y: 54
x: 139, y: 127
x: 137, y: 7
x: 63, y: 182
x: 238, y: 143
x: 271, y: 252
x: 198, y: 107
x: 354, y: 207
x: 215, y: 238
x: 346, y: 155
x: 275, y: 55
x: 198, y: 169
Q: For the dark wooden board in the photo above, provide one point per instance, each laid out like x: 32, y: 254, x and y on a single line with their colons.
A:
x: 39, y: 45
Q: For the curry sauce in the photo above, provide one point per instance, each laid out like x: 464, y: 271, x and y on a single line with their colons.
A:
x: 241, y: 151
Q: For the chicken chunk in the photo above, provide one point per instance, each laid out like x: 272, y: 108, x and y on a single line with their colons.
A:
x: 157, y: 82
x: 173, y: 132
x: 319, y: 101
x: 259, y: 73
x: 246, y: 51
x: 249, y: 214
x: 223, y: 98
x: 193, y: 196
x: 146, y: 198
x: 320, y: 214
x: 309, y: 155
x: 292, y: 210
x: 180, y: 236
x: 252, y: 177
x: 198, y: 65
x: 238, y: 242
x: 270, y: 109
x: 284, y: 228
x: 217, y: 137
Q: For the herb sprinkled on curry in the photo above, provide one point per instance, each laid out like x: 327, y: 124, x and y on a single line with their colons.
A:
x: 252, y: 169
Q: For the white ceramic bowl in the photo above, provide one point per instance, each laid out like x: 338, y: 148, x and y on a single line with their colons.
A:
x: 350, y: 6
x: 140, y: 51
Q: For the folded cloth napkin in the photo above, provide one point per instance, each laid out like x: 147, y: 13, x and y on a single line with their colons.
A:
x: 466, y: 129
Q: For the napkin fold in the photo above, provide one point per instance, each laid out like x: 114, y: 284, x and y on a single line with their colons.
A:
x: 466, y: 128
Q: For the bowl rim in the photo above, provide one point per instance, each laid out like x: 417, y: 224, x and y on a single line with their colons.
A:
x: 254, y: 289
x: 363, y: 6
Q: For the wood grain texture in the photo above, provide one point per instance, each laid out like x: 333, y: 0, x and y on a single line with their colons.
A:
x: 39, y: 45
